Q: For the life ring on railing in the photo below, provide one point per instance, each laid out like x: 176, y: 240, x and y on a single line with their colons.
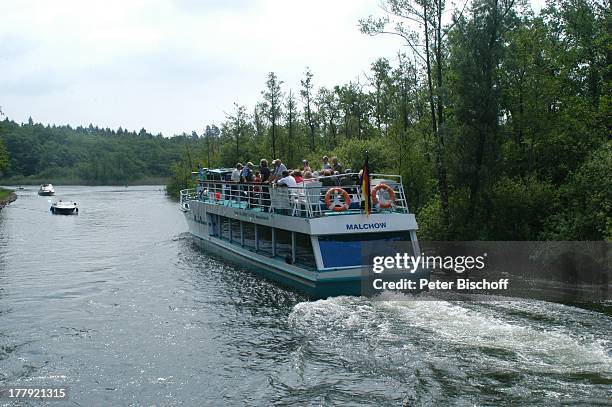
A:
x: 383, y: 204
x: 335, y: 191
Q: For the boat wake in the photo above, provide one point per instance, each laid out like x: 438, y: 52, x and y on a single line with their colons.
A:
x: 499, y: 349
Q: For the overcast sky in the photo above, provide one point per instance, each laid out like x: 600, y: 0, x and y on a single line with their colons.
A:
x: 172, y: 65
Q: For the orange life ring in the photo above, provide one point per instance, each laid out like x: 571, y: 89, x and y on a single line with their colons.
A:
x: 335, y: 191
x: 385, y: 204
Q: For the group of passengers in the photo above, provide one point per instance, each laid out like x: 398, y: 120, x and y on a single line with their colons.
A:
x: 279, y: 175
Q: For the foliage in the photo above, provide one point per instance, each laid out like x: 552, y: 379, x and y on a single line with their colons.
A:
x: 497, y: 119
x: 181, y: 179
x: 585, y: 208
x: 4, y: 157
x: 519, y: 206
x: 89, y: 155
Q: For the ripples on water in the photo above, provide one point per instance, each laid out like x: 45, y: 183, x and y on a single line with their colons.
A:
x: 120, y: 306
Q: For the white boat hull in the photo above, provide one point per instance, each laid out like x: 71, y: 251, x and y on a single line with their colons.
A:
x: 315, y: 282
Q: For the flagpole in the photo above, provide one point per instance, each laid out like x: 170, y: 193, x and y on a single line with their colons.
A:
x: 365, y: 185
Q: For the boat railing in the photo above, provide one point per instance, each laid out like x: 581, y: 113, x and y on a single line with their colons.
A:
x: 322, y: 196
x: 185, y: 196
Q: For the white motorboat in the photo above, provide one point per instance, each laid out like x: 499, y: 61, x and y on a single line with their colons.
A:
x: 64, y: 208
x: 46, y: 190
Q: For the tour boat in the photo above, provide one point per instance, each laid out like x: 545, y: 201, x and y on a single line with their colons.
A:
x: 309, y: 237
x: 46, y: 190
x: 64, y: 208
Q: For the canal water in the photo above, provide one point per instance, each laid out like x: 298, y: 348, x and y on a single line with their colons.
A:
x: 118, y: 305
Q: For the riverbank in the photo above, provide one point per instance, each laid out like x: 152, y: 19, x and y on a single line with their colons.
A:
x: 6, y: 197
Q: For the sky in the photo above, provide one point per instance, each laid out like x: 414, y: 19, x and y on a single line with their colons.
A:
x: 173, y: 66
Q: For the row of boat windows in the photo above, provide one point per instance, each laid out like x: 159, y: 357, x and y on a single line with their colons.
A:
x: 244, y: 233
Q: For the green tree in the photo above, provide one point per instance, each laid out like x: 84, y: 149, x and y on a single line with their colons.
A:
x: 272, y: 107
x: 381, y: 97
x: 307, y: 95
x: 476, y: 48
x: 4, y: 157
x: 291, y: 109
x: 419, y: 23
x: 327, y: 106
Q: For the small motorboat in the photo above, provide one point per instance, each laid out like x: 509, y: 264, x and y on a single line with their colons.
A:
x: 64, y: 208
x: 46, y: 190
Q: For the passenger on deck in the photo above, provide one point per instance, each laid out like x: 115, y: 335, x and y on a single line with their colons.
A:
x: 287, y: 180
x: 328, y: 180
x: 265, y: 178
x: 336, y: 166
x: 297, y: 175
x: 256, y: 196
x: 246, y: 174
x: 326, y: 165
x: 236, y: 173
x: 306, y: 166
x: 265, y: 171
x: 308, y: 178
x: 235, y: 178
x: 279, y: 168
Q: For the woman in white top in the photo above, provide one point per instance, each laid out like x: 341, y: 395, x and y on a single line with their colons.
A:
x: 287, y: 180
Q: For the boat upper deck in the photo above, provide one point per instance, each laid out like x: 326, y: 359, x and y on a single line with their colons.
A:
x: 334, y: 195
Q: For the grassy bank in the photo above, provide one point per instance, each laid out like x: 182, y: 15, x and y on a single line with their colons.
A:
x: 80, y: 181
x: 5, y: 193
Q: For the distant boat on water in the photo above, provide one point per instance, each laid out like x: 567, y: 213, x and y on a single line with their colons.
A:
x: 46, y: 190
x: 64, y: 208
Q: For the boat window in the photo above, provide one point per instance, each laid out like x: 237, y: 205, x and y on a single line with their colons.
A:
x: 235, y: 226
x: 303, y: 248
x: 265, y: 239
x: 213, y: 224
x: 249, y: 234
x: 283, y: 243
x: 224, y: 227
x: 346, y: 250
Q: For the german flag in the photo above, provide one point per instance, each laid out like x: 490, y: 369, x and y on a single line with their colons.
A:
x: 365, y: 186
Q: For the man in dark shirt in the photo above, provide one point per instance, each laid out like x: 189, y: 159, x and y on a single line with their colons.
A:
x: 265, y: 179
x: 336, y: 166
x: 264, y: 170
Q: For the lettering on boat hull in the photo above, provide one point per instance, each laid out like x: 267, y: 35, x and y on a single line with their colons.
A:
x: 366, y: 226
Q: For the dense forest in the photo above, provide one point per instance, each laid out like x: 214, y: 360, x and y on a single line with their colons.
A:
x: 34, y: 153
x: 497, y: 118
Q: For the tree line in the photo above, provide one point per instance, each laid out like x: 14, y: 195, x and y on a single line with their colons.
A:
x: 33, y: 152
x: 498, y: 119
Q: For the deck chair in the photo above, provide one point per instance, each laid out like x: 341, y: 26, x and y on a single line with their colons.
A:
x: 310, y: 199
x: 280, y: 199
